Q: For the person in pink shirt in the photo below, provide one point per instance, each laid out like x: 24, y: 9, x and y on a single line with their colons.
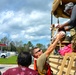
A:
x: 24, y: 60
x: 69, y: 48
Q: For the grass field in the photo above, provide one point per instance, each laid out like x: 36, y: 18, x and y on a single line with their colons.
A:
x: 9, y: 60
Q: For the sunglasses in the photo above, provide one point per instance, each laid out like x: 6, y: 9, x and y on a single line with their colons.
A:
x: 38, y: 51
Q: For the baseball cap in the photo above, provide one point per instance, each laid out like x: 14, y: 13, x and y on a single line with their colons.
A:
x: 68, y: 6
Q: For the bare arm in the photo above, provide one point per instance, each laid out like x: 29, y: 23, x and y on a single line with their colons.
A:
x: 65, y: 26
x: 53, y: 45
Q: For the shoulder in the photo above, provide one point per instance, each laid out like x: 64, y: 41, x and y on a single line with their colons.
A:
x: 42, y: 57
x: 9, y: 71
x: 74, y: 8
x: 75, y: 5
x: 33, y: 71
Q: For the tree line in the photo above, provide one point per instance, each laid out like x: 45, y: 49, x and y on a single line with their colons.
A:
x: 18, y: 46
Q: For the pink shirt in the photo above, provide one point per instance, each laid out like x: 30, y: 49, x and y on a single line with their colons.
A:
x: 65, y: 49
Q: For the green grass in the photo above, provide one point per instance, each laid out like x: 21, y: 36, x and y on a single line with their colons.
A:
x: 9, y: 60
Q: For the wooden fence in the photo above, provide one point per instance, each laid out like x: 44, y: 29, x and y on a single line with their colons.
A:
x: 63, y: 65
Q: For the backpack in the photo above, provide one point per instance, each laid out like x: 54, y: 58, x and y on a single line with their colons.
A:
x: 48, y: 72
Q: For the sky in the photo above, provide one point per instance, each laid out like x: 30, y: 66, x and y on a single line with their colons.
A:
x: 26, y: 20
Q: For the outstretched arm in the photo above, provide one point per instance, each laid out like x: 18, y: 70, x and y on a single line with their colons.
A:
x: 65, y: 26
x: 53, y: 45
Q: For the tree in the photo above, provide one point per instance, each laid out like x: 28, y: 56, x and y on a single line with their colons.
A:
x: 13, y: 47
x: 19, y: 46
x: 41, y: 46
x: 28, y: 46
x: 6, y: 41
x: 19, y: 43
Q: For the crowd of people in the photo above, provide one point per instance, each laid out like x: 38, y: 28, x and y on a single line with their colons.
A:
x: 41, y: 64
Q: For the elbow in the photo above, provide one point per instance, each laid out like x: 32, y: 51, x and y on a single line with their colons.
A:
x: 72, y: 22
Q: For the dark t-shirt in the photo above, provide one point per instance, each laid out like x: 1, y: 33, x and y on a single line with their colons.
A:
x: 72, y: 21
x: 20, y: 71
